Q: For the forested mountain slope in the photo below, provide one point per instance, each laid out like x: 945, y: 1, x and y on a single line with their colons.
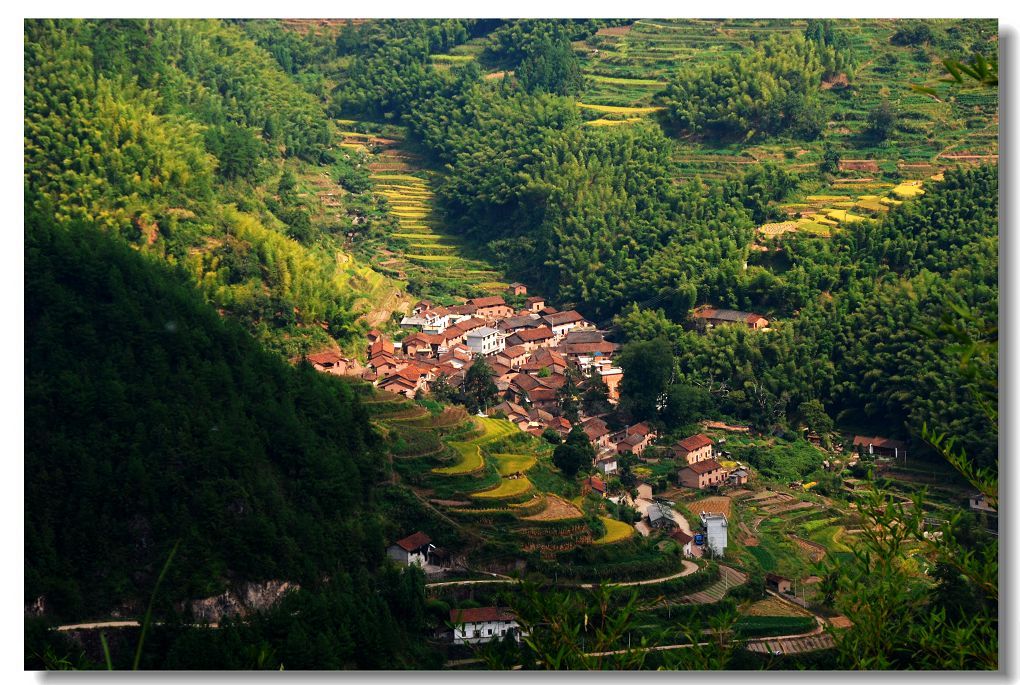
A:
x: 182, y: 138
x: 154, y: 420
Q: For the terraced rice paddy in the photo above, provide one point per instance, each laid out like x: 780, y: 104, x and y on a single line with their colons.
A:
x: 423, y: 252
x: 615, y: 531
x: 508, y: 487
x: 611, y: 109
x: 508, y: 464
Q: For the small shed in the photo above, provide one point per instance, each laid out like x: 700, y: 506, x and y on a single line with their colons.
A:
x: 778, y: 583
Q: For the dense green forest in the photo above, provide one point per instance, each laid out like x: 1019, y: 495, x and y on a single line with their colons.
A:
x: 175, y: 136
x: 156, y: 421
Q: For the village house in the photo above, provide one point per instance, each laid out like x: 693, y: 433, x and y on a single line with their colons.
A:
x: 542, y: 397
x: 593, y: 484
x: 534, y: 303
x: 407, y: 382
x: 586, y: 343
x: 561, y: 426
x: 701, y: 474
x: 607, y: 463
x: 522, y: 384
x: 531, y: 338
x: 886, y: 447
x: 738, y: 477
x: 715, y: 526
x: 385, y: 364
x: 437, y: 320
x: 597, y: 432
x: 611, y: 377
x: 694, y: 449
x: 421, y: 306
x: 684, y: 540
x: 491, y: 308
x: 483, y: 624
x: 463, y: 309
x: 632, y: 444
x: 380, y: 346
x: 778, y: 583
x: 513, y: 356
x: 513, y: 324
x: 515, y: 289
x: 561, y: 322
x: 457, y: 333
x: 414, y: 549
x: 422, y: 344
x: 718, y: 317
x: 978, y: 502
x: 660, y: 516
x: 545, y: 358
x: 485, y: 341
x: 330, y: 362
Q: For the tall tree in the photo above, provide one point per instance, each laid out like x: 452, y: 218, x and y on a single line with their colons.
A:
x: 647, y: 370
x: 480, y: 391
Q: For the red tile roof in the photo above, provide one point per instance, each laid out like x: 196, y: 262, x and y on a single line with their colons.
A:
x: 681, y: 537
x: 695, y: 442
x: 703, y: 467
x: 596, y: 483
x: 877, y: 441
x: 481, y: 615
x: 493, y: 301
x: 328, y: 357
x: 534, y: 334
x: 414, y: 541
x: 560, y: 318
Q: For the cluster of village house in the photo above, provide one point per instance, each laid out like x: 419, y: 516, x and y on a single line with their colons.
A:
x: 529, y: 351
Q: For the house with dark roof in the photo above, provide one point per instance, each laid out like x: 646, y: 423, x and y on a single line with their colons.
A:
x: 778, y: 583
x: 738, y: 476
x: 718, y: 317
x: 701, y: 474
x: 544, y: 358
x: 694, y: 448
x: 534, y: 303
x: 483, y: 624
x: 515, y: 289
x: 531, y: 338
x: 512, y: 324
x: 414, y: 549
x: 561, y: 322
x: 684, y: 540
x: 886, y: 447
x: 660, y: 515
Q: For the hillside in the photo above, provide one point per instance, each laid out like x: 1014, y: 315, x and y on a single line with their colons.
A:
x: 155, y: 421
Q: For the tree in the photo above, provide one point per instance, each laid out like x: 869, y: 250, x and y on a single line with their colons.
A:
x: 881, y: 121
x: 551, y: 67
x: 813, y: 413
x: 569, y: 396
x: 479, y: 389
x: 686, y: 404
x: 575, y: 453
x: 647, y: 369
x: 830, y: 159
x: 595, y: 399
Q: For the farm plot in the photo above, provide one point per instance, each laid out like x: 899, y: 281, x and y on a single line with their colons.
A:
x: 615, y: 531
x: 711, y: 505
x: 513, y: 463
x: 508, y: 488
x: 556, y: 509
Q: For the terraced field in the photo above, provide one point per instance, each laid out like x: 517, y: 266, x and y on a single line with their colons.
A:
x: 615, y: 531
x: 416, y: 251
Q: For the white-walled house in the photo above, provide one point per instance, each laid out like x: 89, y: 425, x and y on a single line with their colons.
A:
x: 414, y: 549
x: 484, y: 624
x: 485, y: 341
x: 715, y: 531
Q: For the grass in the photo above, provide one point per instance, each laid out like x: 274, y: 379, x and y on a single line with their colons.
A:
x: 507, y: 488
x: 616, y: 531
